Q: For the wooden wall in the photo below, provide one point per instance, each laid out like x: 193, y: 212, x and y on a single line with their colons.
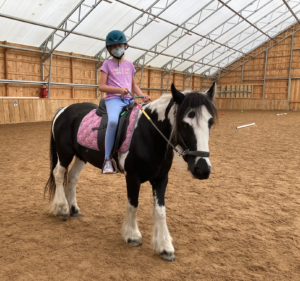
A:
x: 25, y: 65
x: 33, y: 110
x: 277, y: 66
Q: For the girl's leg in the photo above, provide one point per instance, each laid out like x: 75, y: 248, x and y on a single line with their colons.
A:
x: 113, y: 107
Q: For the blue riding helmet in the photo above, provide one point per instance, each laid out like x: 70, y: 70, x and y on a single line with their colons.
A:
x: 115, y: 37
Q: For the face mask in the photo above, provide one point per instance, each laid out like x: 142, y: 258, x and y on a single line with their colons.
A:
x: 118, y: 52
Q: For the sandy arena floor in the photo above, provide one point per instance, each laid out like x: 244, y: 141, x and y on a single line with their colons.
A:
x: 241, y: 224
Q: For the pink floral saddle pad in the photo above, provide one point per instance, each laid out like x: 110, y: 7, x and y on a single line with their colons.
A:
x: 87, y: 137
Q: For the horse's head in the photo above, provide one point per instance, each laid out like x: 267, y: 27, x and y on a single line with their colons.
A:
x: 195, y: 115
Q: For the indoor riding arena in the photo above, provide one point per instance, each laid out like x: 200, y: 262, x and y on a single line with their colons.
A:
x: 242, y: 223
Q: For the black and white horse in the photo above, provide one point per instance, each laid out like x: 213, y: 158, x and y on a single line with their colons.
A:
x: 184, y: 118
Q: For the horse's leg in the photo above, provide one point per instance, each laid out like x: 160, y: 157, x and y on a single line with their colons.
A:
x: 161, y: 238
x: 70, y: 190
x: 60, y: 205
x: 130, y: 230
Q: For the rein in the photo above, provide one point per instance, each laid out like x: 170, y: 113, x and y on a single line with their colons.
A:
x: 181, y: 153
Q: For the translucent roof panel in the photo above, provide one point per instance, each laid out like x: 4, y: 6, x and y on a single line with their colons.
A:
x: 184, y: 29
x: 46, y: 12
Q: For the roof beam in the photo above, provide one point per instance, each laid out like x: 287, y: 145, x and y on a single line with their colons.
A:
x: 249, y: 55
x: 51, y: 38
x: 245, y: 19
x: 239, y: 34
x: 291, y: 11
x: 162, y: 19
x: 85, y: 35
x: 169, y: 39
x: 222, y: 25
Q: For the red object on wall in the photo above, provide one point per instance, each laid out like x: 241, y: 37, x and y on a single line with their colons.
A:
x: 44, y: 93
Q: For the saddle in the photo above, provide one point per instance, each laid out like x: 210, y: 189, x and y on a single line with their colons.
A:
x: 123, y: 123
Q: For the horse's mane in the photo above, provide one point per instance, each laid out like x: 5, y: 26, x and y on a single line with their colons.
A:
x: 192, y: 100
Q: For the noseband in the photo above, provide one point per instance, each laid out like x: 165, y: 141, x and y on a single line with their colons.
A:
x: 188, y: 152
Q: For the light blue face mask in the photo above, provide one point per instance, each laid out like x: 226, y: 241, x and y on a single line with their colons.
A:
x: 118, y: 52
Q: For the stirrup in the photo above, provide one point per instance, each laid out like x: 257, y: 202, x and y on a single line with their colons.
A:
x: 114, y: 165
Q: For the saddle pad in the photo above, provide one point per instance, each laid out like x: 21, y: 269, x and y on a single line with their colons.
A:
x: 88, y: 138
x: 85, y: 135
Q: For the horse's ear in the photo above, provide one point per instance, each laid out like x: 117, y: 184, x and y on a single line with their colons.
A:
x: 212, y: 91
x: 177, y: 96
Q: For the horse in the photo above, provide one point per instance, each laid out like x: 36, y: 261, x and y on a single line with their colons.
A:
x: 184, y: 118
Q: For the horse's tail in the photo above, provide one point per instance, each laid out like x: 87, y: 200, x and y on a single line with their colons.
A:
x: 50, y: 185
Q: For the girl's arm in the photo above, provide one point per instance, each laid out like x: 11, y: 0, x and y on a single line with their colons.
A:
x: 108, y: 89
x: 137, y: 90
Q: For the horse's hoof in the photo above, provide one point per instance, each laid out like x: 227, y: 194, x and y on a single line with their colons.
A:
x: 64, y: 217
x: 167, y: 256
x: 135, y: 243
x: 76, y: 214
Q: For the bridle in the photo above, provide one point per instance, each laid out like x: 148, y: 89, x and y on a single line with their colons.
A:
x: 186, y: 150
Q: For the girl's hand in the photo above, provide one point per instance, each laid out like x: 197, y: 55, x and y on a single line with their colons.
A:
x: 146, y: 98
x: 123, y: 91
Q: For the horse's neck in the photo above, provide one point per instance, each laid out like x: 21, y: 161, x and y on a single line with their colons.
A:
x: 162, y: 111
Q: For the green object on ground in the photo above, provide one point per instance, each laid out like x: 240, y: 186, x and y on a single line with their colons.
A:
x: 242, y: 111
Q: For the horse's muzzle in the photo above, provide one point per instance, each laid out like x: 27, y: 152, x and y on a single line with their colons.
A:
x: 201, y: 170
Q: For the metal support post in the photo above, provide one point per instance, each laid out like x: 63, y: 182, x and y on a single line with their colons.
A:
x: 290, y: 70
x: 50, y: 66
x: 242, y: 73
x: 190, y: 80
x: 168, y: 81
x: 266, y: 62
x: 97, y: 82
x: 141, y: 76
x: 206, y: 84
x: 43, y: 74
x: 49, y: 77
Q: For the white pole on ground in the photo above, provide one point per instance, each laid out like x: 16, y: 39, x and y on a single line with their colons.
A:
x: 245, y: 126
x: 281, y: 114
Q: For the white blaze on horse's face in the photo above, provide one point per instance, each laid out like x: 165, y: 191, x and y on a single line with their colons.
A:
x: 201, y: 130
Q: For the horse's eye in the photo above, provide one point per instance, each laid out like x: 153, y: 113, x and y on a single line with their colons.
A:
x: 210, y: 122
x: 192, y: 114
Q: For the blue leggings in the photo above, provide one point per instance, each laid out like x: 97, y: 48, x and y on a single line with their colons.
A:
x: 114, y: 108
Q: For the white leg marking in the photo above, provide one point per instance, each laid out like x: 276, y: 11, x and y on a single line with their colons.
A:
x: 122, y: 157
x: 70, y: 190
x: 55, y: 118
x: 130, y: 228
x: 161, y: 238
x: 59, y: 204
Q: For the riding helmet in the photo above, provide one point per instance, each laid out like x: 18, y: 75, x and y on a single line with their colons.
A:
x: 115, y: 37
